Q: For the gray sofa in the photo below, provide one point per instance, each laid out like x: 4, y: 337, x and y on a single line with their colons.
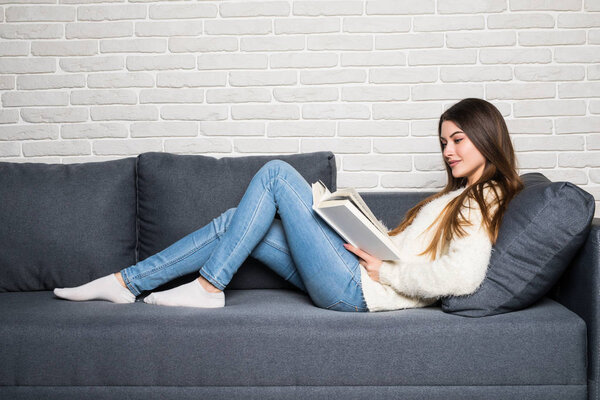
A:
x: 64, y: 225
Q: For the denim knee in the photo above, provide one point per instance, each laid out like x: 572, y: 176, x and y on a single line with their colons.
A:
x: 276, y: 165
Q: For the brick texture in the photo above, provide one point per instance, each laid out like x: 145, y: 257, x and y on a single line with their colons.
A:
x: 93, y: 80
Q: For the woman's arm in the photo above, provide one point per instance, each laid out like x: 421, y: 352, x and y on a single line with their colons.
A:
x: 458, y: 272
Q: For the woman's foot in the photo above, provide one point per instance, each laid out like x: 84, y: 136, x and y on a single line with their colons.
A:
x: 191, y: 294
x: 208, y: 286
x: 108, y: 287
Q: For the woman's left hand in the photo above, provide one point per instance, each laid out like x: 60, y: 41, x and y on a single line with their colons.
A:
x: 371, y: 264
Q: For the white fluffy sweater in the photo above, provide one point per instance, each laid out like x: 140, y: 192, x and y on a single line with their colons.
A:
x: 416, y: 281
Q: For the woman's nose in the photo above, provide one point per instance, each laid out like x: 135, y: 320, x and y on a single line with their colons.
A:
x: 447, y: 152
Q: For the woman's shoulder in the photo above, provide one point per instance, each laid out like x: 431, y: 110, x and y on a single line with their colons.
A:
x: 491, y: 196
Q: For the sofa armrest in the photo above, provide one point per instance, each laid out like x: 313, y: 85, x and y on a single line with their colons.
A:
x: 579, y: 290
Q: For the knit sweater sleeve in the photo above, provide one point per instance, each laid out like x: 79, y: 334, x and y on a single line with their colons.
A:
x: 459, y: 271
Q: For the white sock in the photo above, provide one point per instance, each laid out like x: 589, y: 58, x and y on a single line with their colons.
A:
x: 188, y: 295
x: 105, y: 288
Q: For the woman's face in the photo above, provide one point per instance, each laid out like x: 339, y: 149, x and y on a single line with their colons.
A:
x: 458, y: 147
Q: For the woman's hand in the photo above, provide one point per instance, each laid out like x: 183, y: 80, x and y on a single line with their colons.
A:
x: 371, y: 264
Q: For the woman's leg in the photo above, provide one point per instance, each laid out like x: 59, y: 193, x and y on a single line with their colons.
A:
x: 189, y: 253
x: 181, y: 258
x: 185, y: 255
x: 330, y: 273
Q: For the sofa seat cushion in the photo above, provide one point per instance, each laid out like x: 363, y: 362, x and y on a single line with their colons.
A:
x: 278, y: 337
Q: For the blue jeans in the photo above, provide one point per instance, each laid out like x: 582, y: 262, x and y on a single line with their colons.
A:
x: 300, y: 247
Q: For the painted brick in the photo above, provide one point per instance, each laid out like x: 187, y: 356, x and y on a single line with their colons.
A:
x: 550, y: 73
x: 552, y: 108
x: 518, y: 91
x: 94, y: 130
x: 124, y: 113
x: 333, y: 76
x: 194, y: 112
x: 103, y: 96
x: 55, y: 114
x: 205, y: 44
x: 254, y: 26
x: 548, y: 143
x: 377, y: 163
x: 59, y: 148
x: 254, y: 9
x: 475, y: 74
x: 204, y: 145
x: 233, y: 95
x: 190, y: 96
x: 37, y: 98
x: 277, y: 111
x: 300, y: 60
x: 126, y: 147
x: 335, y: 111
x: 336, y: 145
x: 579, y: 159
x: 585, y: 124
x: 31, y: 31
x: 301, y: 128
x: 182, y: 11
x: 373, y: 128
x: 226, y: 128
x: 142, y: 45
x: 92, y: 64
x: 307, y: 25
x: 376, y: 24
x: 26, y: 132
x: 191, y: 79
x: 292, y: 95
x: 172, y: 128
x: 256, y: 145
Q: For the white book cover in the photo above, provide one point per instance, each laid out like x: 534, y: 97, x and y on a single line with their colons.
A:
x: 347, y: 213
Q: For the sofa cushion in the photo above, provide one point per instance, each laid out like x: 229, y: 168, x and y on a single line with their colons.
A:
x: 277, y: 337
x: 542, y: 229
x: 179, y: 194
x: 65, y: 224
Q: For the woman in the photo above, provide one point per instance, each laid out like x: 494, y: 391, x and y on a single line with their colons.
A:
x: 446, y: 239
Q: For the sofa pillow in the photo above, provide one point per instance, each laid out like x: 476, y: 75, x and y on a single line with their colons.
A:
x: 65, y: 224
x: 542, y: 229
x: 179, y: 194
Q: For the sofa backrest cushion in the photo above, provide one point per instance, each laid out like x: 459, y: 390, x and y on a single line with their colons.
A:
x: 179, y: 194
x: 65, y: 224
x: 542, y: 229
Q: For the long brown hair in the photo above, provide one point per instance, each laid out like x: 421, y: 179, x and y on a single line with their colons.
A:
x: 485, y: 127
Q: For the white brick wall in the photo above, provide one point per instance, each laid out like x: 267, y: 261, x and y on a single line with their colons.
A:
x: 92, y: 80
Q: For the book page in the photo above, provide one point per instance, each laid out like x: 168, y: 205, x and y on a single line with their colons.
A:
x: 352, y: 225
x: 322, y: 194
x: 352, y: 194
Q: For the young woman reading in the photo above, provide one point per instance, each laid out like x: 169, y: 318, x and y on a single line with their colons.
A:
x: 446, y: 239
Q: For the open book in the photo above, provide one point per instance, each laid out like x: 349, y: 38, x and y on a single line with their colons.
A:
x: 347, y: 213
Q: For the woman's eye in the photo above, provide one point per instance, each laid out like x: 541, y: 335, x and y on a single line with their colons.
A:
x: 457, y: 140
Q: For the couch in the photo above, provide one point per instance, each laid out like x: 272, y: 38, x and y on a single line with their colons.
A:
x: 64, y: 225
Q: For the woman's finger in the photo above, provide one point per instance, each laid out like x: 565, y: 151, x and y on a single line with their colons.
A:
x: 353, y: 249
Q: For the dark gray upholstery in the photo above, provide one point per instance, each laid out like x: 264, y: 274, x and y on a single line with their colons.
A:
x: 64, y: 225
x: 520, y: 392
x: 179, y: 194
x: 277, y: 337
x: 275, y: 344
x: 578, y: 289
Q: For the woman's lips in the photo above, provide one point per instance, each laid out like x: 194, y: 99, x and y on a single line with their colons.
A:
x: 453, y: 164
